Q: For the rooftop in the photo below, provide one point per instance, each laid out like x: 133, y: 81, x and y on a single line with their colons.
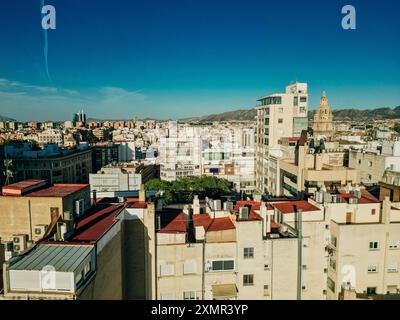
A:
x: 363, y: 199
x: 96, y: 222
x: 293, y: 206
x: 255, y: 205
x: 62, y: 257
x: 177, y: 225
x: 210, y: 225
x: 38, y: 188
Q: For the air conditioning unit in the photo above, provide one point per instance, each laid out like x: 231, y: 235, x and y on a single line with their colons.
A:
x: 79, y: 207
x: 20, y: 242
x: 68, y: 216
x: 353, y: 200
x: 39, y: 231
x: 244, y: 213
x: 62, y: 230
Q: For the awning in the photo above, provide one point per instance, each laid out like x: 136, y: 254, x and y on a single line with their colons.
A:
x: 224, y: 291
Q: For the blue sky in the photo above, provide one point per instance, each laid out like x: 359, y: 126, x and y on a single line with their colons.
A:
x: 178, y: 58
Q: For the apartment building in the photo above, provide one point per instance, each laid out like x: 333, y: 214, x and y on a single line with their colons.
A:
x: 246, y: 250
x: 374, y: 159
x: 223, y: 151
x: 364, y: 244
x: 279, y: 115
x: 50, y: 163
x: 109, y: 254
x: 110, y: 179
x: 50, y: 136
x: 180, y: 152
x: 126, y: 150
x: 314, y: 166
x: 390, y: 186
x: 104, y: 154
x: 29, y: 208
x: 2, y: 168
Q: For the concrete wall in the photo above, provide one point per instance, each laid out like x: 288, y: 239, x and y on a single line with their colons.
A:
x: 108, y: 282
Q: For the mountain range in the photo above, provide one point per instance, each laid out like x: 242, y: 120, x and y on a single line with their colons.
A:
x: 339, y: 114
x: 3, y: 118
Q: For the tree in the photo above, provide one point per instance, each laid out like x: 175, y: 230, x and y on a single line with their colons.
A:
x: 397, y: 127
x: 184, y: 189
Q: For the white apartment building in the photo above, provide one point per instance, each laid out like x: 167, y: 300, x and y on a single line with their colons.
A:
x: 126, y: 150
x: 114, y: 179
x: 374, y: 159
x: 364, y: 243
x: 51, y: 136
x: 241, y: 252
x: 219, y: 150
x: 180, y: 152
x: 279, y: 115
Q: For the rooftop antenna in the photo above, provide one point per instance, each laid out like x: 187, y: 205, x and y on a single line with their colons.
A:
x: 8, y: 173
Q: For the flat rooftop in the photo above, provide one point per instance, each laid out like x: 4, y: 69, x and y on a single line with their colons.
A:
x: 64, y: 258
x: 39, y: 188
x: 293, y: 206
x: 96, y: 222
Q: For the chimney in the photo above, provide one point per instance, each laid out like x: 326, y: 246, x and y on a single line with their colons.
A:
x: 94, y: 197
x: 263, y: 213
x: 196, y: 205
x: 386, y: 208
x: 142, y: 193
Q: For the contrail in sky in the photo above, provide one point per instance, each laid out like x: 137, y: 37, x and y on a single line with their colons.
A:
x: 46, y: 46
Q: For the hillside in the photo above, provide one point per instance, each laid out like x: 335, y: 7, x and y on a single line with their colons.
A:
x: 340, y: 114
x: 3, y: 118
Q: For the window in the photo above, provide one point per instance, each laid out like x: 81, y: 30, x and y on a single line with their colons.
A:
x: 166, y: 270
x: 87, y: 268
x: 371, y: 290
x: 280, y: 110
x: 248, y: 280
x: 374, y: 245
x: 394, y: 244
x: 359, y: 161
x: 333, y: 241
x: 332, y: 264
x: 248, y: 253
x: 392, y: 267
x: 295, y: 101
x: 373, y: 268
x: 369, y: 163
x: 189, y: 295
x: 331, y: 284
x: 303, y: 99
x: 189, y: 267
x: 166, y: 296
x: 223, y: 265
x: 280, y: 120
x: 373, y: 212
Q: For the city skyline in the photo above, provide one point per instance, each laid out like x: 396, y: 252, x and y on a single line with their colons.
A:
x: 181, y: 59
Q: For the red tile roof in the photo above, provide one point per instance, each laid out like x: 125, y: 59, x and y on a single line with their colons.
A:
x: 38, y: 188
x: 210, y: 225
x: 292, y: 206
x: 137, y: 205
x: 177, y: 225
x: 363, y: 199
x: 58, y: 190
x: 21, y: 188
x: 255, y: 205
x: 96, y: 222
